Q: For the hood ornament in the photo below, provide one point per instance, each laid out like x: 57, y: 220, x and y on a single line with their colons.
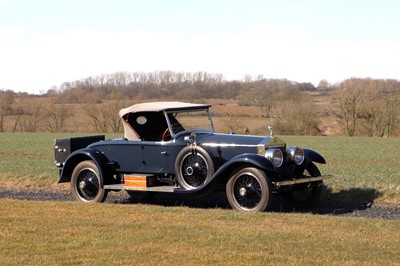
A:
x: 269, y: 127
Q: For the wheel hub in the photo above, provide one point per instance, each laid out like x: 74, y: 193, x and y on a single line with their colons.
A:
x: 243, y: 192
x: 189, y: 170
x: 82, y: 185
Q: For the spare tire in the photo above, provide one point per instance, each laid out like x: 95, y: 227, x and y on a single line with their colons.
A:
x: 193, y: 167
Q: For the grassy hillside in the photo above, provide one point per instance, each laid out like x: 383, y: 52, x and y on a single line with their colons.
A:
x: 363, y: 168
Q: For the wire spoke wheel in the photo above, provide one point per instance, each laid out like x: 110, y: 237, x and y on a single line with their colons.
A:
x: 193, y: 167
x: 249, y: 190
x: 194, y: 170
x: 85, y: 183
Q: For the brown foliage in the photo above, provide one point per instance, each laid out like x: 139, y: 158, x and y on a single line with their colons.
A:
x: 351, y: 95
x: 297, y: 118
x: 6, y: 100
x: 371, y: 103
x: 367, y: 107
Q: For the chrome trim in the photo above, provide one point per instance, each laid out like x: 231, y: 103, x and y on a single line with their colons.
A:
x: 229, y: 145
x: 275, y: 156
x: 261, y: 149
x: 291, y: 152
x: 152, y: 189
x: 301, y: 181
x: 268, y: 143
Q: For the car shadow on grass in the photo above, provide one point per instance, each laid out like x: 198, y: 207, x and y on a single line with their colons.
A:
x: 333, y: 203
x: 346, y: 201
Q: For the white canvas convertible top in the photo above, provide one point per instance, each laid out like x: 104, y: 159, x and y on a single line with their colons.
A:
x: 131, y: 134
x: 160, y: 106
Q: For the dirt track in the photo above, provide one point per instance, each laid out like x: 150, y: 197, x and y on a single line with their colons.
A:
x: 218, y: 200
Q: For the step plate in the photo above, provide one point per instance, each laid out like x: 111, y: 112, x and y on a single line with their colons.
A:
x: 168, y: 189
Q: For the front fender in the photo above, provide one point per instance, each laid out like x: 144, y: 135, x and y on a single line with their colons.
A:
x: 249, y: 159
x: 78, y: 156
x: 313, y: 156
x: 223, y: 173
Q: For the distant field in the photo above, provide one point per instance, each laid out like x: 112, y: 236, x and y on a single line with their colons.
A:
x: 364, y: 168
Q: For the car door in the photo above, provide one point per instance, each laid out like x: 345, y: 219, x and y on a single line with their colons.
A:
x: 155, y: 157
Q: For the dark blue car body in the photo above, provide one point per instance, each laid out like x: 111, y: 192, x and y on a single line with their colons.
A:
x: 160, y: 153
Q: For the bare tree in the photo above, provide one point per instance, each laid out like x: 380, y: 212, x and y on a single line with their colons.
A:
x: 267, y: 94
x: 350, y: 94
x: 112, y: 108
x: 247, y: 78
x: 6, y: 100
x: 372, y: 113
x: 324, y: 85
x: 371, y: 109
x: 379, y: 110
x: 98, y: 116
x: 297, y: 118
x: 392, y: 107
x: 56, y: 117
x: 29, y: 121
x: 231, y: 121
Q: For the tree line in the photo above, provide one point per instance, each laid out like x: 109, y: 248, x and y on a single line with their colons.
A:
x: 370, y: 106
x: 362, y: 106
x: 157, y: 85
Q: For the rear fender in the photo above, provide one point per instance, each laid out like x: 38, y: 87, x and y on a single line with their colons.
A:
x: 81, y: 155
x: 313, y: 156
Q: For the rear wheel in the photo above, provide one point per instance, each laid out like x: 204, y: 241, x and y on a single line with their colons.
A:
x: 303, y: 196
x: 86, y: 184
x: 249, y: 189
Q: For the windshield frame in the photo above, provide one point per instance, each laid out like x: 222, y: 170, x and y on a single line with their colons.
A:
x: 207, y: 110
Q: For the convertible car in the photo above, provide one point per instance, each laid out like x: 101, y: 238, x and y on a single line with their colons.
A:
x: 172, y: 147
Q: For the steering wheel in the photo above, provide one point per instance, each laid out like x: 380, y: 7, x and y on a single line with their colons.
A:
x: 166, y: 135
x: 176, y: 127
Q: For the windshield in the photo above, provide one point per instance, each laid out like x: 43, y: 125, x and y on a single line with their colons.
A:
x: 190, y: 120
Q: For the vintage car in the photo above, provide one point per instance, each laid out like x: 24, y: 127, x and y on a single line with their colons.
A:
x: 172, y: 147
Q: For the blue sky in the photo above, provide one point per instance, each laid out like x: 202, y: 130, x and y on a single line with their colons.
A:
x: 44, y: 43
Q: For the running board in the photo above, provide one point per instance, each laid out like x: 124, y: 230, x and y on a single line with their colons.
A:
x: 150, y: 189
x: 301, y: 181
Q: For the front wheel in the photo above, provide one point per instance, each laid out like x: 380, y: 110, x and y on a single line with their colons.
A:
x: 249, y: 189
x: 86, y: 184
x: 304, y: 196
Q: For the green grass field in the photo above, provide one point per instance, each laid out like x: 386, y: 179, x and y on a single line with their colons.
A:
x: 71, y: 233
x: 362, y: 167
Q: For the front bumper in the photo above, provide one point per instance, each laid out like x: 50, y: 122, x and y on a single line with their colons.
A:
x: 279, y: 184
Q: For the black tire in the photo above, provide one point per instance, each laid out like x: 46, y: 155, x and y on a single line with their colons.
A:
x: 304, y: 196
x: 249, y: 189
x: 193, y: 167
x: 86, y: 183
x: 140, y: 196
